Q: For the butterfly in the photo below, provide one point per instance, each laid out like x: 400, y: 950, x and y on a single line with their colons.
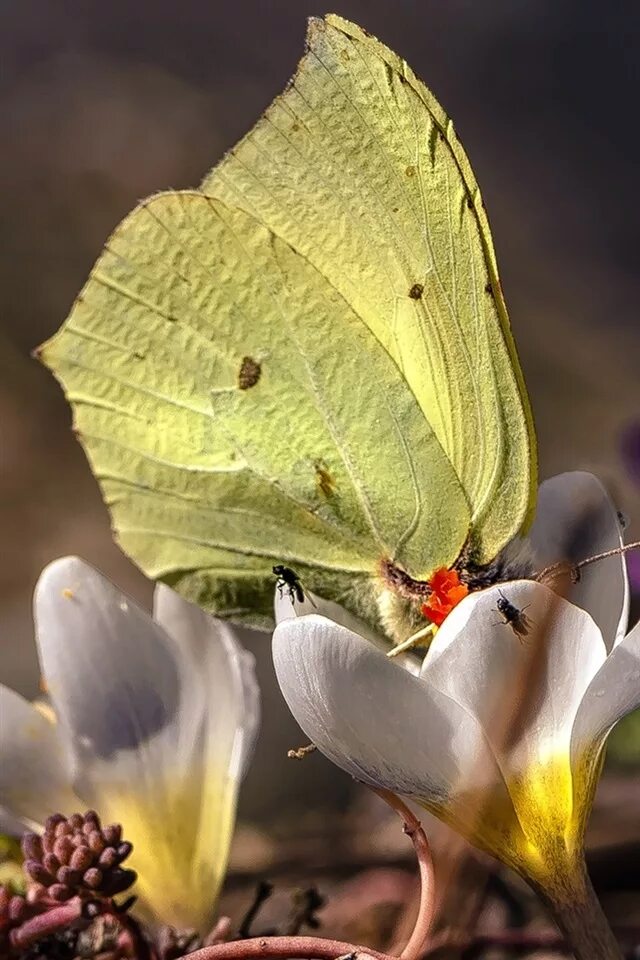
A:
x: 308, y: 359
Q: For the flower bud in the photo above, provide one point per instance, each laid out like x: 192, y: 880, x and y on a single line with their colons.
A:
x: 76, y: 856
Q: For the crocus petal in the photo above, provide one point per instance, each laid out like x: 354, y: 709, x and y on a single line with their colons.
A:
x: 110, y: 670
x: 285, y: 609
x: 34, y: 773
x: 491, y: 671
x: 575, y: 519
x: 381, y: 724
x: 612, y: 694
x: 525, y: 692
x: 130, y: 707
x: 229, y: 693
x: 220, y: 714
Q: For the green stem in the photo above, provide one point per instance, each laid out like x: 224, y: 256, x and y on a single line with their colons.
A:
x: 577, y: 912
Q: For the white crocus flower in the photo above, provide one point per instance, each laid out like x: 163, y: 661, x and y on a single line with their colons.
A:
x: 154, y: 720
x: 499, y: 736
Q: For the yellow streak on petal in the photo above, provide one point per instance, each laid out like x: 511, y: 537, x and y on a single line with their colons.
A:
x: 552, y: 829
x: 538, y: 829
x: 179, y: 877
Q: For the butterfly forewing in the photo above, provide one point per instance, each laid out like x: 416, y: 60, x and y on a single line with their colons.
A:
x: 357, y: 151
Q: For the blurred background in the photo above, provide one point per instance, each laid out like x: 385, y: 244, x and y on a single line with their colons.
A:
x: 102, y: 104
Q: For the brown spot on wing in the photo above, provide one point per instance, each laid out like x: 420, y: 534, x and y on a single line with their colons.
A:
x: 249, y: 373
x: 325, y: 481
x: 416, y: 291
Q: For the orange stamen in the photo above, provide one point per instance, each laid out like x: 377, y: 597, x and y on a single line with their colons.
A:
x: 446, y: 592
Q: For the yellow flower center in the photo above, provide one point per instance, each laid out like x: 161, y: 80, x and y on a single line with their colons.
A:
x: 536, y: 826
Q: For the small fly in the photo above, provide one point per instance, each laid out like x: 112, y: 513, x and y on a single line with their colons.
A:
x: 517, y: 619
x: 288, y: 579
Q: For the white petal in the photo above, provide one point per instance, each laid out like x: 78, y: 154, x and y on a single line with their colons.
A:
x: 575, y: 519
x: 372, y: 718
x: 494, y: 674
x: 286, y: 609
x: 134, y: 711
x: 220, y: 713
x: 34, y: 773
x: 228, y: 690
x: 111, y: 671
x: 613, y: 693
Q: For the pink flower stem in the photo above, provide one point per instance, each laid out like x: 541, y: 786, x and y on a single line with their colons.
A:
x: 282, y: 948
x: 426, y: 909
x: 46, y: 924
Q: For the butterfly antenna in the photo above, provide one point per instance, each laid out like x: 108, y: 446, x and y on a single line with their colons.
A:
x: 574, y: 568
x: 609, y: 553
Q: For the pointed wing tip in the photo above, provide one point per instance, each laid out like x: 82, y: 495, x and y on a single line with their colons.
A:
x: 46, y: 352
x: 318, y: 25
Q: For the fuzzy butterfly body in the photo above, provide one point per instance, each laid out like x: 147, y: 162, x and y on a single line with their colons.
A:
x: 308, y: 359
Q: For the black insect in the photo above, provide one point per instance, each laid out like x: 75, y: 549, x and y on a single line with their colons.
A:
x: 517, y: 619
x: 288, y: 579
